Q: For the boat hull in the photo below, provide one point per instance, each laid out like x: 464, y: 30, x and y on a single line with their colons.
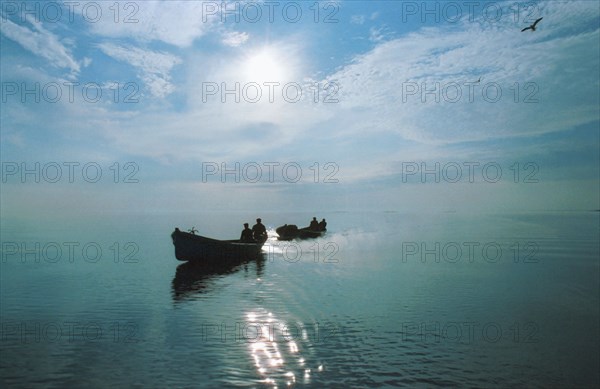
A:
x: 307, y: 233
x: 291, y: 232
x: 287, y: 232
x: 200, y: 249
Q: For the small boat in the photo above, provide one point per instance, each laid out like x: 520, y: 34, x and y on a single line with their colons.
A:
x: 200, y: 249
x: 291, y: 231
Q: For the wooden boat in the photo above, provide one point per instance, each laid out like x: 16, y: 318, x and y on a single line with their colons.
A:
x: 291, y: 231
x: 197, y: 248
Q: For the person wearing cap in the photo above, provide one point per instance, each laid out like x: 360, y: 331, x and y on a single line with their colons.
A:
x: 246, y: 234
x: 259, y: 232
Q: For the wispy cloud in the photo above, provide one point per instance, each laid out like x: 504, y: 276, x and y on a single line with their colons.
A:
x: 375, y: 109
x: 380, y: 118
x: 409, y: 85
x: 235, y: 38
x: 41, y: 42
x: 153, y: 66
x: 357, y: 19
x: 177, y: 23
x: 379, y: 34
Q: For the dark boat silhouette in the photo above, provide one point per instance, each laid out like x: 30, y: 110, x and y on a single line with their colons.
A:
x: 291, y: 231
x: 210, y: 252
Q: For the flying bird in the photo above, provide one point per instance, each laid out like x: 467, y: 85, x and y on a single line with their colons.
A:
x: 532, y: 27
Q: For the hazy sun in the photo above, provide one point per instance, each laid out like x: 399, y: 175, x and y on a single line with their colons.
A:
x: 265, y: 65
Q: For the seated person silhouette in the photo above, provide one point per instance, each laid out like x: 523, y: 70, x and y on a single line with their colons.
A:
x: 322, y: 225
x: 259, y: 231
x: 314, y: 224
x: 246, y: 234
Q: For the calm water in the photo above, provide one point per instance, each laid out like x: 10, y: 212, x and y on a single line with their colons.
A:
x: 385, y: 299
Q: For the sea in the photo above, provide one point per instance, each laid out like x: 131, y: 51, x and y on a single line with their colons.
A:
x: 384, y: 299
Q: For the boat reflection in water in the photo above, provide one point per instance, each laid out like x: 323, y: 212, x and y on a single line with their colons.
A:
x: 192, y: 278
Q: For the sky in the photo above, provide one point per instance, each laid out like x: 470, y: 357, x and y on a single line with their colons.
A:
x: 161, y: 106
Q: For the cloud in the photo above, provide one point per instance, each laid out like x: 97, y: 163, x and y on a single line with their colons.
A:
x: 409, y: 85
x: 361, y: 19
x: 41, y: 42
x: 177, y: 23
x: 376, y: 119
x: 357, y: 19
x: 378, y: 35
x: 234, y: 38
x: 153, y: 66
x: 376, y: 123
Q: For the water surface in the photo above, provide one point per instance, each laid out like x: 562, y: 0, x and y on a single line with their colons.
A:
x: 383, y: 299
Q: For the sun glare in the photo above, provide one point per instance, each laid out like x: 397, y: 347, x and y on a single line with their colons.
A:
x: 265, y: 65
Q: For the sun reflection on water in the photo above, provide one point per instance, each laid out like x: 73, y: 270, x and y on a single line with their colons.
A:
x: 279, y: 355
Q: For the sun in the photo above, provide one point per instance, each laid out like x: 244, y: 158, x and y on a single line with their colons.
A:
x: 265, y: 65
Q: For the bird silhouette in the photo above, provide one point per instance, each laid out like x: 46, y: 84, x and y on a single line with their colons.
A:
x: 532, y: 27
